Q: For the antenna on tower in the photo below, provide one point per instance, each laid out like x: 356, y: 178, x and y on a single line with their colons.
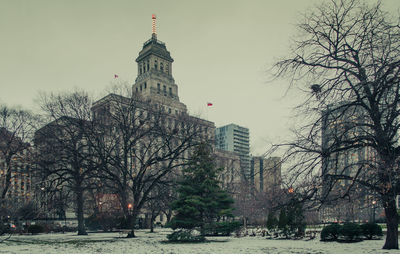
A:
x: 153, y: 27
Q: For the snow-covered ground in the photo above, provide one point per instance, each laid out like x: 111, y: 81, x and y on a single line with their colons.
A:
x: 155, y: 243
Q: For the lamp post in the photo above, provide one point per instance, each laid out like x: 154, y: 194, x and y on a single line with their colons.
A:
x: 130, y: 208
x: 100, y: 207
x: 374, y: 207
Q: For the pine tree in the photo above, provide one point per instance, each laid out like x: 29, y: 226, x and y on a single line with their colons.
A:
x: 272, y: 222
x: 201, y: 200
x: 295, y: 218
x: 283, y: 220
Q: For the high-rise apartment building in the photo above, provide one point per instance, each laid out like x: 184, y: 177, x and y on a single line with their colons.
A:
x: 235, y: 138
x: 342, y: 125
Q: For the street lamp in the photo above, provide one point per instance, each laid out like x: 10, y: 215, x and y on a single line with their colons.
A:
x: 130, y: 206
x: 374, y: 207
x: 100, y: 207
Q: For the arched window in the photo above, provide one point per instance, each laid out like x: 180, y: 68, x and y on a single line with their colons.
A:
x: 148, y: 65
x: 145, y: 85
x: 161, y: 67
x: 140, y: 69
x: 155, y: 64
x: 170, y: 91
x: 158, y: 87
x: 165, y: 90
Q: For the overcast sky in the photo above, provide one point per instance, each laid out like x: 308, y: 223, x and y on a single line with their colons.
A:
x: 222, y: 51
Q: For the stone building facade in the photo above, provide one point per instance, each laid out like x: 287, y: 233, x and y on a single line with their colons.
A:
x: 265, y: 174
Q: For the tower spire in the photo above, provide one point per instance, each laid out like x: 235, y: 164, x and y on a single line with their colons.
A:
x: 154, y: 34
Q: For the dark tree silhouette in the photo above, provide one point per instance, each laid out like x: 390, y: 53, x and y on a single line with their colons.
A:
x: 347, y: 52
x: 64, y: 149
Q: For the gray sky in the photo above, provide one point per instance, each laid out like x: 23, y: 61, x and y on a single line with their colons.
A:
x: 222, y: 51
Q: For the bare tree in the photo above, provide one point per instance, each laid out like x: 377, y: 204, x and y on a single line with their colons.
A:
x: 16, y: 131
x: 64, y: 152
x: 141, y: 144
x: 350, y: 51
x: 159, y: 200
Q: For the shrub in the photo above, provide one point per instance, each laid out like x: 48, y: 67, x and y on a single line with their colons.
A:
x: 371, y: 230
x: 35, y: 229
x: 272, y: 222
x: 185, y: 236
x: 103, y: 221
x: 4, y: 229
x: 331, y: 232
x: 350, y: 231
x: 224, y: 228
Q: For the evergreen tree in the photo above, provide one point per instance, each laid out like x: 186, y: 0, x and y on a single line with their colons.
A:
x: 272, y: 222
x: 201, y: 200
x: 283, y: 220
x: 295, y: 218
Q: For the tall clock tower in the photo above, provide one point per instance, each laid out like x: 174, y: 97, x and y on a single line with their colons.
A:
x: 154, y: 80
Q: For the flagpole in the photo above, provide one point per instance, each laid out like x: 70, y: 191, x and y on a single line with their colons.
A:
x: 209, y: 104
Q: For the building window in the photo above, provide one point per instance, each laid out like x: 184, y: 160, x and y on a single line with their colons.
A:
x: 158, y: 88
x: 165, y: 90
x: 161, y: 67
x: 140, y: 87
x: 145, y: 85
x: 170, y: 91
x: 136, y: 89
x: 148, y: 65
x: 167, y: 68
x: 140, y: 69
x: 155, y: 64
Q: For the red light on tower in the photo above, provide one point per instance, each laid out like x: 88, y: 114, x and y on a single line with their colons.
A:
x: 129, y: 206
x: 291, y: 190
x: 153, y: 17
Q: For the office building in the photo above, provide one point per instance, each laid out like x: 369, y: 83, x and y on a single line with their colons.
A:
x: 235, y: 138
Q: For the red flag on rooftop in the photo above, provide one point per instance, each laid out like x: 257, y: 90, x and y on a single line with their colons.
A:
x: 115, y: 76
x: 209, y: 104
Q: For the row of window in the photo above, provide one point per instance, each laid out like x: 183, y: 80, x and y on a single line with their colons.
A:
x: 145, y: 67
x: 141, y: 87
x: 164, y: 90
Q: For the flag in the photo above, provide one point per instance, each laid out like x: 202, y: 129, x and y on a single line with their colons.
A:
x: 115, y: 76
x: 209, y: 104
